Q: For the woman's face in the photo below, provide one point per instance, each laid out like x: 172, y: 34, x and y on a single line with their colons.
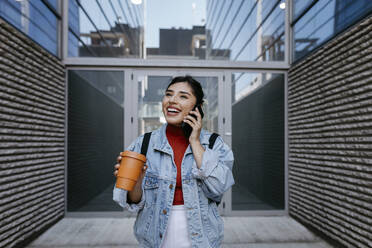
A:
x: 177, y: 102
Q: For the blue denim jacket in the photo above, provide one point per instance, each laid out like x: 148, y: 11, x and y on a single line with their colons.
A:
x: 201, y: 189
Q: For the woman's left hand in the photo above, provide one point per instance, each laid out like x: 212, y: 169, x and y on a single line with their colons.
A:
x: 195, y: 123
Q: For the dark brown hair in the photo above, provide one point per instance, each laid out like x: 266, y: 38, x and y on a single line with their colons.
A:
x: 196, y: 87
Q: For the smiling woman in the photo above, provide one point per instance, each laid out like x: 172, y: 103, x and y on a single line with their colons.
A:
x: 184, y: 179
x: 178, y: 101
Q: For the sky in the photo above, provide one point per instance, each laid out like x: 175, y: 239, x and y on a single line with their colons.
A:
x: 172, y: 13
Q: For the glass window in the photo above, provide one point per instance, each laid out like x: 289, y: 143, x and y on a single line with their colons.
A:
x: 94, y: 97
x: 349, y: 11
x: 218, y: 22
x: 324, y: 20
x: 217, y: 38
x: 299, y: 6
x: 252, y: 31
x: 268, y: 6
x: 11, y: 11
x: 35, y: 19
x: 74, y: 44
x: 236, y: 36
x: 236, y: 30
x: 73, y: 17
x: 272, y: 41
x: 54, y: 4
x: 258, y: 141
x: 105, y: 28
x: 43, y: 26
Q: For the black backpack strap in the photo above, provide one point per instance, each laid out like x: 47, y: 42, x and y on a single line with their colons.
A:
x: 145, y: 143
x: 212, y: 139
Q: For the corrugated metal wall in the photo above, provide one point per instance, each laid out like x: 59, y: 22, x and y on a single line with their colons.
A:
x: 258, y: 145
x: 330, y: 138
x: 95, y: 139
x: 32, y: 107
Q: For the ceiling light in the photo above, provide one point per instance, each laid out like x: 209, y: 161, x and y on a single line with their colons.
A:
x: 282, y: 5
x: 136, y: 2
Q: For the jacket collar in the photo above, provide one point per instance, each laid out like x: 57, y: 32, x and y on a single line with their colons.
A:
x: 161, y: 142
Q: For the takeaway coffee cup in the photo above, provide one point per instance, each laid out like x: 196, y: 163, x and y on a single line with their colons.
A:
x: 130, y: 169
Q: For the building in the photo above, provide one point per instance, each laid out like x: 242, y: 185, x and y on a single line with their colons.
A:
x: 183, y: 44
x: 123, y: 40
x: 288, y: 86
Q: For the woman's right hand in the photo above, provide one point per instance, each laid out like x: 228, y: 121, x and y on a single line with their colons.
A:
x: 135, y: 195
x: 117, y: 166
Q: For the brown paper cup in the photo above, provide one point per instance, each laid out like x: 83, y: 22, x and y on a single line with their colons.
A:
x: 130, y: 169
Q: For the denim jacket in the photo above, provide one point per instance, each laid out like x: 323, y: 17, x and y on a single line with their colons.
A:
x: 202, y: 188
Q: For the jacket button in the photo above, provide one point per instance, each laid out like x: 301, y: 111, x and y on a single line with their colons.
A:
x: 171, y: 186
x: 164, y: 211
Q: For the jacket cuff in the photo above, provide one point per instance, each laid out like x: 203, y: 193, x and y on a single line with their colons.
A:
x: 209, y: 163
x: 120, y: 196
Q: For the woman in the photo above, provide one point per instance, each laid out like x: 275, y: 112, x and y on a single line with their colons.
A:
x: 176, y: 197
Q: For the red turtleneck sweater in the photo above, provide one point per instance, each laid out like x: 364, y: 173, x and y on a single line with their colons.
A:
x: 179, y: 144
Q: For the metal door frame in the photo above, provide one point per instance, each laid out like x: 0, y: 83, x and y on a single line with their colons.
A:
x: 224, y: 124
x: 228, y: 195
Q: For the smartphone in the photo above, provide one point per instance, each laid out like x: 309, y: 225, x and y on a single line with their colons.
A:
x: 187, y: 129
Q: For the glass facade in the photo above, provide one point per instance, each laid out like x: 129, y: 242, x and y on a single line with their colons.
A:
x: 95, y: 138
x: 54, y: 4
x: 104, y: 28
x: 35, y: 19
x: 235, y: 30
x: 299, y: 6
x: 315, y: 22
x: 258, y: 141
x: 240, y: 30
x: 247, y: 31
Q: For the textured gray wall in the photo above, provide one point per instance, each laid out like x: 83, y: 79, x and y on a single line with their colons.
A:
x: 330, y: 144
x: 32, y: 106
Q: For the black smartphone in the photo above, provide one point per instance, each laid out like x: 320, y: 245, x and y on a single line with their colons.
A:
x: 187, y: 129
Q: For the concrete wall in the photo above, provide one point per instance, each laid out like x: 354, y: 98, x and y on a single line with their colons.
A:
x: 32, y: 107
x: 330, y: 144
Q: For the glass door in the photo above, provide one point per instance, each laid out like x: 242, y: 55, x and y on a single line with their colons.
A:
x: 148, y: 88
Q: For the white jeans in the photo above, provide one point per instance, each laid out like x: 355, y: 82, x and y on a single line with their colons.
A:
x: 177, y: 234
